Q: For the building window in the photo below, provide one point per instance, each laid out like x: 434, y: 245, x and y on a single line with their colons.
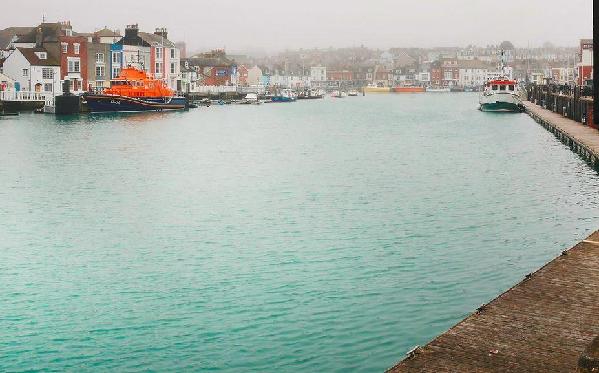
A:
x: 74, y: 65
x: 48, y: 87
x: 76, y: 48
x: 68, y: 32
x: 25, y: 72
x: 173, y: 67
x: 99, y: 71
x: 65, y: 47
x: 158, y: 70
x: 41, y: 55
x: 47, y: 73
x: 172, y: 52
x: 116, y: 71
x: 99, y: 57
x: 158, y: 53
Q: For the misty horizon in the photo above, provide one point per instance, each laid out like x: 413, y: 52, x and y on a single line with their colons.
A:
x: 266, y: 27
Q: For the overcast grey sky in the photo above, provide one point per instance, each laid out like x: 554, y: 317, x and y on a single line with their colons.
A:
x: 278, y: 24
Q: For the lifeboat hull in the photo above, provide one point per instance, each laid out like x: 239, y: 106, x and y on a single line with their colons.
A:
x: 408, y: 89
x: 111, y: 103
x: 377, y: 89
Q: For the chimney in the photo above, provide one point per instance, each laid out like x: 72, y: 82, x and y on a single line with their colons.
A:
x: 131, y: 31
x: 39, y: 37
x: 161, y: 31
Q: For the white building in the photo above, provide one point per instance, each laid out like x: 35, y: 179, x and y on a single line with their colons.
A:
x: 32, y: 69
x: 476, y: 72
x: 254, y: 76
x: 290, y: 81
x: 423, y: 77
x: 537, y: 78
x: 318, y: 73
x: 189, y: 77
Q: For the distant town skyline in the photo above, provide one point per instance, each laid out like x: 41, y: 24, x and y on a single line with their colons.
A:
x: 267, y: 26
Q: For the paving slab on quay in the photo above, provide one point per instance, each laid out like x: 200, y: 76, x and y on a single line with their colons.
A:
x: 543, y: 324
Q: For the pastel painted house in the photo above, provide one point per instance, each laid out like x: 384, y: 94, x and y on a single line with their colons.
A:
x: 34, y: 70
x: 153, y: 53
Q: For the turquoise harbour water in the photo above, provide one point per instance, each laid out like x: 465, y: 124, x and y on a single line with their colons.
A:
x: 321, y: 236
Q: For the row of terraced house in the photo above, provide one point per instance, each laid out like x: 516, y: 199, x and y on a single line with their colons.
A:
x: 41, y: 58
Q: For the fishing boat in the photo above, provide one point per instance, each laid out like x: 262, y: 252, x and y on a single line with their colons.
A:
x: 501, y: 94
x: 352, y: 93
x: 310, y: 94
x: 285, y: 95
x: 438, y: 89
x: 407, y: 89
x: 376, y: 89
x: 134, y: 91
x: 250, y: 99
x: 339, y: 94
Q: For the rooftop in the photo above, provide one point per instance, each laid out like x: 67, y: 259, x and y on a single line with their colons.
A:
x: 29, y: 54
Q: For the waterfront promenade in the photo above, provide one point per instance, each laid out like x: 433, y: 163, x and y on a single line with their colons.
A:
x: 545, y: 322
x: 582, y: 139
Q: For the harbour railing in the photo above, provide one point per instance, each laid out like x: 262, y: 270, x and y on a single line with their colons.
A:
x: 218, y: 89
x: 575, y: 103
x: 24, y: 96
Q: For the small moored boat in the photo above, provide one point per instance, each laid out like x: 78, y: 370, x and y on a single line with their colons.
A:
x: 250, y: 99
x: 438, y: 89
x: 407, y: 89
x: 376, y: 89
x: 285, y: 95
x: 339, y: 94
x: 501, y: 94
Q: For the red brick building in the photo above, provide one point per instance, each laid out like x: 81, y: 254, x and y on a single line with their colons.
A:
x: 242, y: 73
x: 340, y: 75
x: 62, y: 45
x: 436, y: 74
x: 450, y: 72
x: 585, y: 64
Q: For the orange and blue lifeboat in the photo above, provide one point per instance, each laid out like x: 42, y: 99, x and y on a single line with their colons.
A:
x: 134, y: 91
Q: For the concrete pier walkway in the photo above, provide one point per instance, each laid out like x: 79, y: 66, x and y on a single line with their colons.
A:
x: 582, y: 139
x: 543, y: 324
